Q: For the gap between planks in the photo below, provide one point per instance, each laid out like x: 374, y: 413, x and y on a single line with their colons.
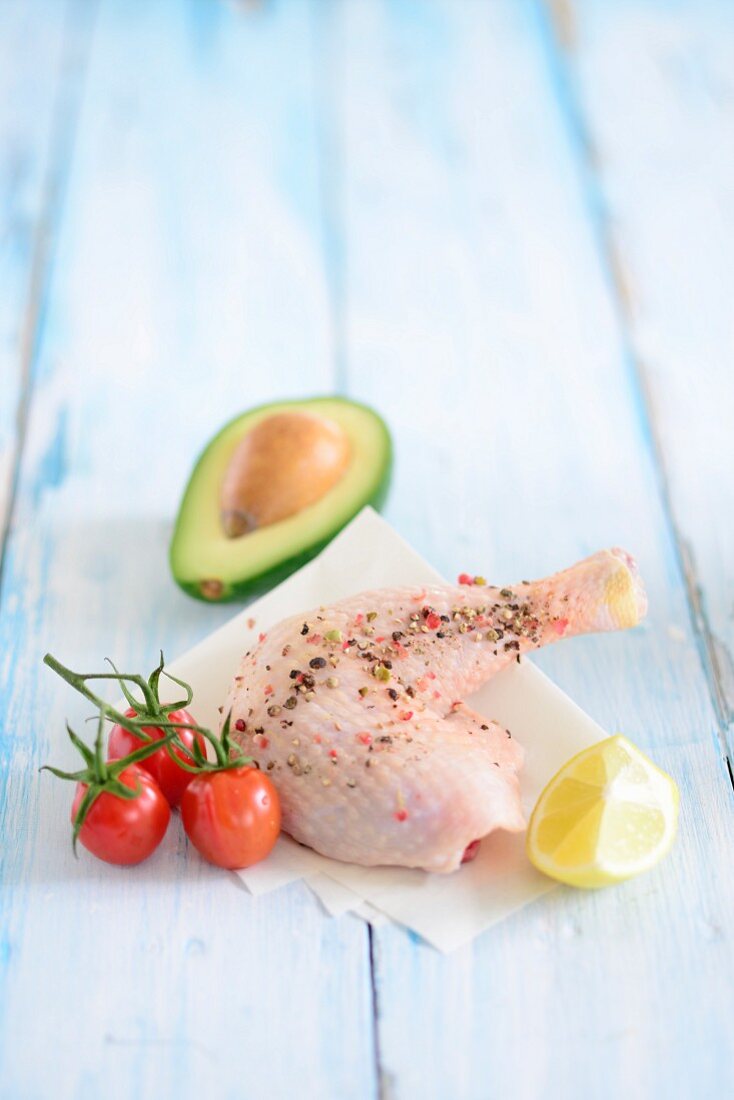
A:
x: 327, y: 79
x: 558, y: 21
x: 385, y: 1089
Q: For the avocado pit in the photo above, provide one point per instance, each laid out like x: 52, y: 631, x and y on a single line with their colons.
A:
x: 287, y: 462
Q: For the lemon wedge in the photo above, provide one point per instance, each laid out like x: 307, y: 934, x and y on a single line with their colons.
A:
x: 607, y: 815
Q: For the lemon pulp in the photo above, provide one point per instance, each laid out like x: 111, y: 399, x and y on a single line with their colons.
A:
x: 607, y: 815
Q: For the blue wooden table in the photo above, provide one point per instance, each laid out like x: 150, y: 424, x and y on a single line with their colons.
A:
x: 508, y: 225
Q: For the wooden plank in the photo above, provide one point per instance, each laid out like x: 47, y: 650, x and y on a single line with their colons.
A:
x: 188, y: 285
x: 481, y: 318
x: 36, y: 103
x: 664, y: 141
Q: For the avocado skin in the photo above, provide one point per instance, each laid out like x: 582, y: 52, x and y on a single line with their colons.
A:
x: 256, y: 586
x: 268, y: 578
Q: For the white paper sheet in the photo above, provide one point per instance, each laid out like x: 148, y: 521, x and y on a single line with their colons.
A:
x: 371, y: 915
x: 447, y: 910
x: 335, y: 898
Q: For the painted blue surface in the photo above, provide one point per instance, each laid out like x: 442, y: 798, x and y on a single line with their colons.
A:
x: 457, y: 212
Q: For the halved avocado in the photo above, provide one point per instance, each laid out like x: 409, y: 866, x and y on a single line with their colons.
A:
x: 211, y: 561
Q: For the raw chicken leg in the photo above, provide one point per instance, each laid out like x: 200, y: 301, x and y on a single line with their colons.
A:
x: 356, y: 712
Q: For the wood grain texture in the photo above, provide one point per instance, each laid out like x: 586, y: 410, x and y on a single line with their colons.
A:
x: 187, y: 285
x: 38, y: 91
x: 664, y: 141
x: 399, y: 200
x: 481, y: 317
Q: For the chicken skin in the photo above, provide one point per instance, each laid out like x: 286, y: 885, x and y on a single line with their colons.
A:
x: 356, y: 711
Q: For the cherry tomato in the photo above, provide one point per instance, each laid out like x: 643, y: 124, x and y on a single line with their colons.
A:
x: 232, y: 817
x: 124, y: 830
x: 171, y: 779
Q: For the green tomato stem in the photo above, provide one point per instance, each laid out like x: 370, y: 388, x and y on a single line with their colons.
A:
x: 151, y: 713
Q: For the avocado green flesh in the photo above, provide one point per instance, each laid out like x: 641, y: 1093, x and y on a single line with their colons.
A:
x: 201, y: 553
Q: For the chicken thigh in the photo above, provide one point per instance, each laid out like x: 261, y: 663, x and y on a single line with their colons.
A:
x: 356, y: 710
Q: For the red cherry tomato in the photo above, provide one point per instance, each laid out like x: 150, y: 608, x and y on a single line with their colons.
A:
x: 232, y: 817
x: 124, y: 830
x: 171, y: 779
